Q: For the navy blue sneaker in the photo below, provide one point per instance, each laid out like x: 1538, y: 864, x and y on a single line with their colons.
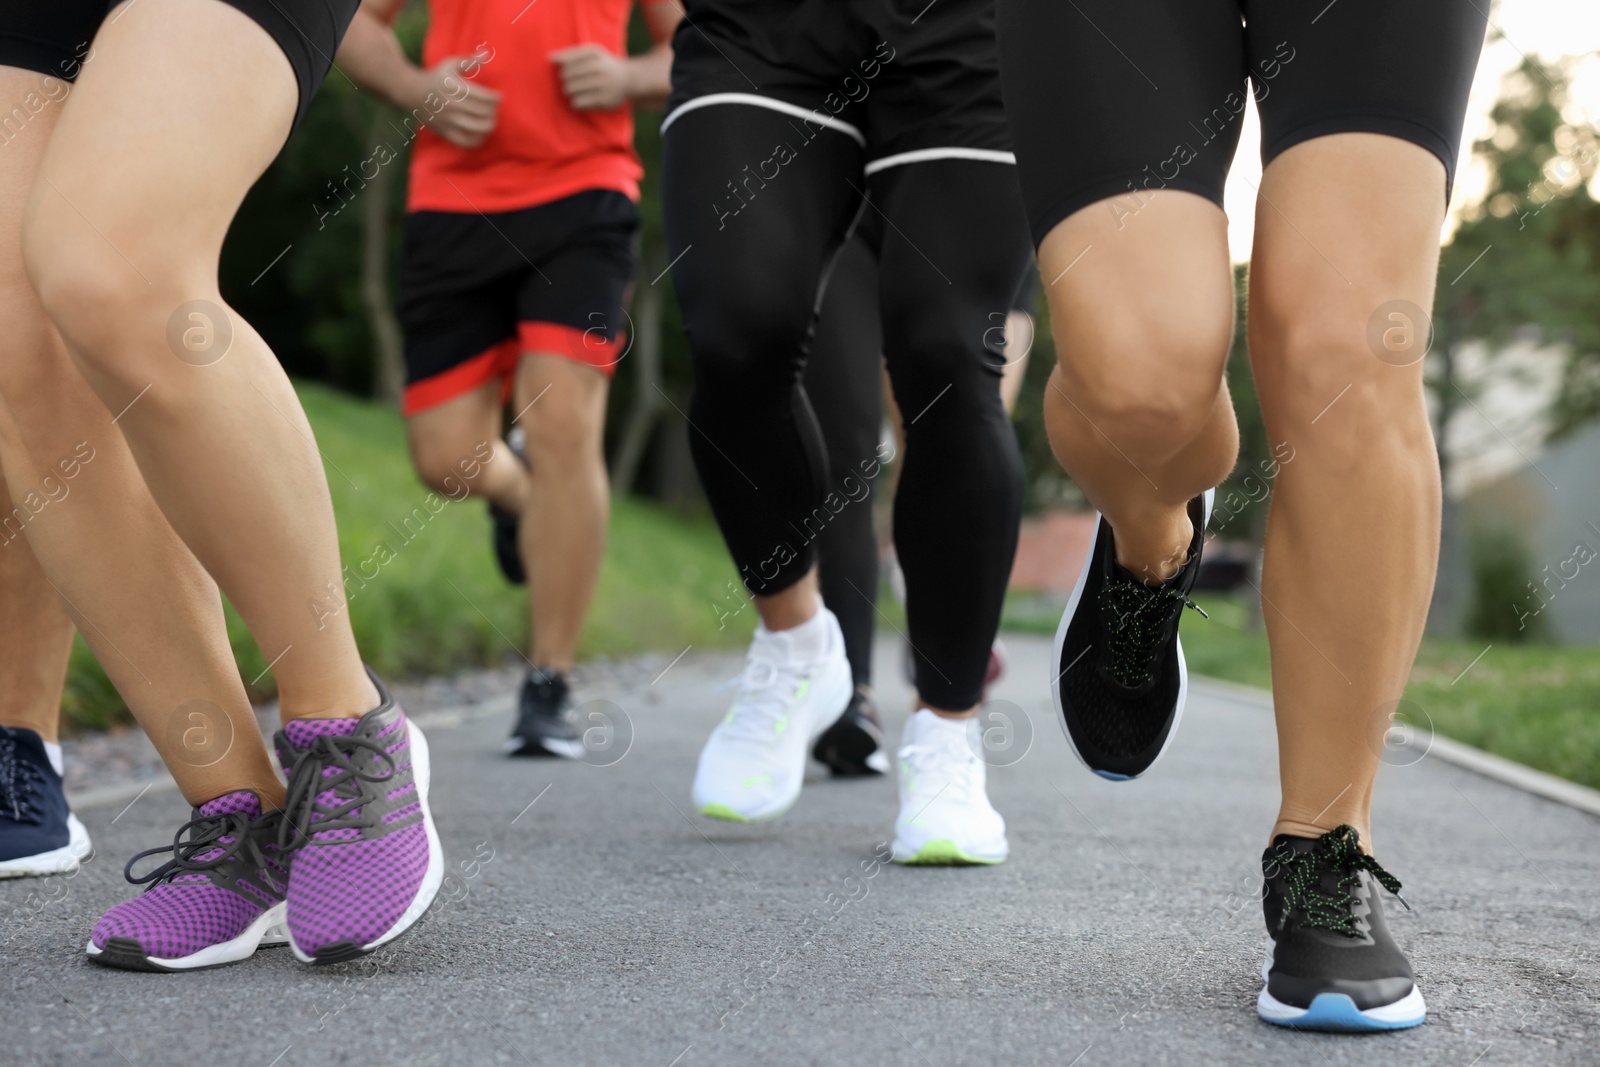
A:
x: 38, y: 832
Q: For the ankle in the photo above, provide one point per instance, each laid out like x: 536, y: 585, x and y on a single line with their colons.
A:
x: 1298, y: 828
x: 1155, y: 549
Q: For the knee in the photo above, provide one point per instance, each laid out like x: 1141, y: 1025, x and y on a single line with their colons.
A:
x: 1149, y: 382
x: 1322, y: 389
x: 943, y: 361
x: 97, y: 300
x: 564, y: 436
x: 750, y: 349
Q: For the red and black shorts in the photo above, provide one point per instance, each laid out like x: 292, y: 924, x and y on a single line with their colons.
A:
x: 477, y: 292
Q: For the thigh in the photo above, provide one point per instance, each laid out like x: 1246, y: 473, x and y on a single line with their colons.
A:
x: 181, y: 108
x: 954, y: 250
x: 756, y: 205
x: 1111, y: 100
x: 447, y: 438
x: 1403, y: 70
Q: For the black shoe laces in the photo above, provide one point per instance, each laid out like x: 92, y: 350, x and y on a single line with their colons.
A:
x: 191, y: 855
x: 1138, y: 618
x: 1339, y: 852
x: 350, y: 786
x: 19, y: 781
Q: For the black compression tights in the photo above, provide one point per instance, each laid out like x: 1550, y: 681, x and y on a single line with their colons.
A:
x: 844, y: 381
x: 753, y: 229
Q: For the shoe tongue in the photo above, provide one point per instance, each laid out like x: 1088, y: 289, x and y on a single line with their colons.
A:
x: 241, y: 802
x: 301, y: 732
x: 927, y: 728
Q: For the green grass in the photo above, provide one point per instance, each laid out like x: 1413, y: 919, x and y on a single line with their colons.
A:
x: 438, y: 602
x: 1536, y: 704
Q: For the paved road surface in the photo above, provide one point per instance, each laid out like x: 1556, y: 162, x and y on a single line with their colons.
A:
x: 604, y: 923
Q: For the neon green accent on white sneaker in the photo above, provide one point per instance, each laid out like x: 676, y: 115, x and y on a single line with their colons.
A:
x: 723, y: 812
x: 755, y: 779
x: 944, y: 853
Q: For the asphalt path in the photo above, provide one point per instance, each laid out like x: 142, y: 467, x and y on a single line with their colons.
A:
x: 591, y: 917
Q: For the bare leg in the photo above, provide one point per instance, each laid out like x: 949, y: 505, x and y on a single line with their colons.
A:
x: 148, y: 166
x: 1136, y: 410
x: 449, y: 443
x: 1345, y: 224
x: 563, y: 530
x: 170, y: 658
x: 34, y: 629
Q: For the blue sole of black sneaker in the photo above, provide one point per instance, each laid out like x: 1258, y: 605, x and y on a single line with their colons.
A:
x: 1337, y: 1013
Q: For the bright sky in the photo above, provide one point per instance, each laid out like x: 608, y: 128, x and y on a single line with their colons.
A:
x: 1544, y: 27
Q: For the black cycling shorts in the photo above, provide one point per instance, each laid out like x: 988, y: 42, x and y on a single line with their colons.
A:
x: 477, y: 292
x: 1114, y: 98
x: 55, y: 37
x: 907, y: 81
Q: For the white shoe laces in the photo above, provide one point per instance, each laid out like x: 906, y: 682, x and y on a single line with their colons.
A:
x: 945, y: 767
x: 765, y: 689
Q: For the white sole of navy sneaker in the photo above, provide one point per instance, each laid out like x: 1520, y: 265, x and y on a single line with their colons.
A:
x: 63, y: 860
x: 421, y: 770
x: 1061, y: 639
x: 267, y: 930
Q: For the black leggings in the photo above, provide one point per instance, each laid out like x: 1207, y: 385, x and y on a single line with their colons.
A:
x: 754, y: 232
x: 844, y: 382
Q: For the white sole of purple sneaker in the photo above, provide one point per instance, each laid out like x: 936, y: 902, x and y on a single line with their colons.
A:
x: 421, y: 770
x: 268, y: 929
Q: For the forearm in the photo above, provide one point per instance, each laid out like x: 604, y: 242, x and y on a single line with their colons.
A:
x: 650, y: 76
x: 370, y: 54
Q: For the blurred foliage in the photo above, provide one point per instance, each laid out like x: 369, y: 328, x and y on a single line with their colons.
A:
x: 1525, y: 260
x: 1502, y: 575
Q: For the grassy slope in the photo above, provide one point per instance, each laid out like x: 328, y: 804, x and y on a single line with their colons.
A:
x: 439, y: 602
x: 1537, y: 704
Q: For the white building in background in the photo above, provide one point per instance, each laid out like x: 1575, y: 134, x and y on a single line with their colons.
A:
x: 1503, y: 473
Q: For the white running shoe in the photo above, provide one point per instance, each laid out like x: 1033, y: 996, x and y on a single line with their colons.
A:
x: 945, y: 814
x: 795, y: 684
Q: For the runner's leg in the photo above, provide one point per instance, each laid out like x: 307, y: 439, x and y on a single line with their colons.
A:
x: 171, y: 659
x: 954, y: 249
x: 563, y: 529
x: 116, y: 250
x: 449, y: 442
x: 1361, y: 494
x: 843, y: 382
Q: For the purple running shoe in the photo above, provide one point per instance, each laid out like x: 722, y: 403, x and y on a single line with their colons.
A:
x: 218, y: 899
x: 367, y: 861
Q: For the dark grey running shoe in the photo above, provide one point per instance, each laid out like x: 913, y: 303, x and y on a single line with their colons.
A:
x: 1332, y: 963
x: 853, y: 745
x: 1120, y: 679
x: 544, y: 718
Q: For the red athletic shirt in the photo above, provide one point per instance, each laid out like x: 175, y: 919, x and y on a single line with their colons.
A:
x: 541, y: 148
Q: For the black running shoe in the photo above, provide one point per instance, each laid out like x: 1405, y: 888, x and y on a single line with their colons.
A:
x: 1332, y: 964
x: 853, y: 745
x: 1120, y: 680
x: 506, y: 551
x: 544, y: 718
